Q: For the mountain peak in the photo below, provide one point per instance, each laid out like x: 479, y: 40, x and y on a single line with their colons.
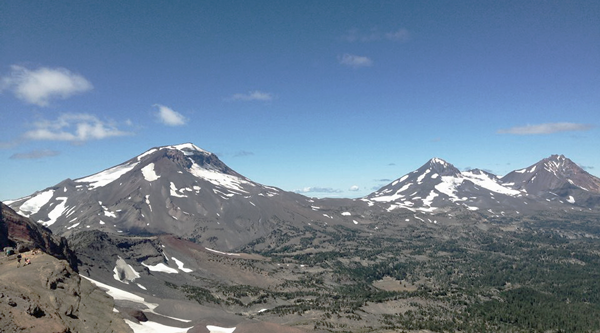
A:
x: 438, y: 165
x: 437, y: 161
x: 556, y: 173
x: 187, y: 147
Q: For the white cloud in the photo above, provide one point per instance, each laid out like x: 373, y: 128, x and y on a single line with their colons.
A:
x: 74, y: 127
x: 317, y: 190
x: 354, y: 188
x: 354, y: 61
x: 255, y: 95
x: 169, y: 117
x: 547, y: 128
x: 43, y: 84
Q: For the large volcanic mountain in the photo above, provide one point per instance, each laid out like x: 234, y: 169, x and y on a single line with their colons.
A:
x: 557, y: 178
x: 186, y: 191
x: 553, y: 183
x: 181, y: 190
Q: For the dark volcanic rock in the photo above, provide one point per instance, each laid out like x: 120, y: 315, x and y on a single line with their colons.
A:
x: 23, y: 234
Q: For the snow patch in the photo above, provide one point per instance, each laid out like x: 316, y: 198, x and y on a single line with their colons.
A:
x: 180, y: 265
x: 73, y: 226
x: 218, y: 178
x: 421, y: 177
x: 123, y: 272
x: 56, y: 212
x: 174, y: 191
x: 149, y: 173
x: 225, y: 253
x: 34, y: 204
x: 217, y: 329
x: 107, y: 176
x: 161, y: 267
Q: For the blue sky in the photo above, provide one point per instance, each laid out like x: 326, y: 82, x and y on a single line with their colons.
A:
x: 328, y: 98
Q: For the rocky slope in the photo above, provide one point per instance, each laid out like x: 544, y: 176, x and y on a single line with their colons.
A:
x: 555, y: 183
x: 23, y: 234
x: 166, y: 280
x: 557, y: 179
x: 181, y: 190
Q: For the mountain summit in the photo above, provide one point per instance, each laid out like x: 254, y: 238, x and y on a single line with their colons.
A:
x: 556, y: 178
x: 440, y: 185
x: 179, y: 189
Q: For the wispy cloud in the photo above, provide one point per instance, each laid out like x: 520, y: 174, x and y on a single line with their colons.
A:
x: 354, y: 61
x: 547, y: 128
x: 34, y: 155
x: 401, y: 35
x: 41, y: 85
x: 354, y: 188
x: 373, y: 35
x: 74, y: 127
x: 318, y: 190
x: 169, y: 117
x: 243, y: 153
x: 255, y: 95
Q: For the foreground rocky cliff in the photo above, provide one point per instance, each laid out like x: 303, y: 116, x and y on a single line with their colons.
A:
x: 47, y: 295
x: 23, y: 234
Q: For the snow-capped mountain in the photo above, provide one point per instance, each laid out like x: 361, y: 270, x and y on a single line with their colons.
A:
x: 439, y: 186
x: 186, y: 191
x: 553, y: 183
x: 181, y: 189
x: 557, y: 178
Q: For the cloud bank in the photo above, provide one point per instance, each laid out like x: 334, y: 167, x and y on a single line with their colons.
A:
x: 74, y: 127
x: 41, y: 85
x: 355, y: 61
x: 547, y: 128
x: 169, y: 117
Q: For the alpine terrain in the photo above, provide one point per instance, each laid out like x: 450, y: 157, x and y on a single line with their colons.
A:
x: 183, y: 243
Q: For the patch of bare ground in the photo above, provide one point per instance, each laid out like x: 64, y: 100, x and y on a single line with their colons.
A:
x: 391, y: 284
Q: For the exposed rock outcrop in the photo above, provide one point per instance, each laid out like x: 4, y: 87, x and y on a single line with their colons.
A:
x: 23, y: 234
x: 48, y: 296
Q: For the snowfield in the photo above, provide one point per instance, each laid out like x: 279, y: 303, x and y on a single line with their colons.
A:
x: 34, y: 204
x: 107, y: 176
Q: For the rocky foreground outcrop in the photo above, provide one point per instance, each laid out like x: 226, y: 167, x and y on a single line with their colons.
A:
x: 23, y: 234
x: 48, y: 296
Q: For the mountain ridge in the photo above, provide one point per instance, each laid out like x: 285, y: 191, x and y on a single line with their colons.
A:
x: 187, y: 191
